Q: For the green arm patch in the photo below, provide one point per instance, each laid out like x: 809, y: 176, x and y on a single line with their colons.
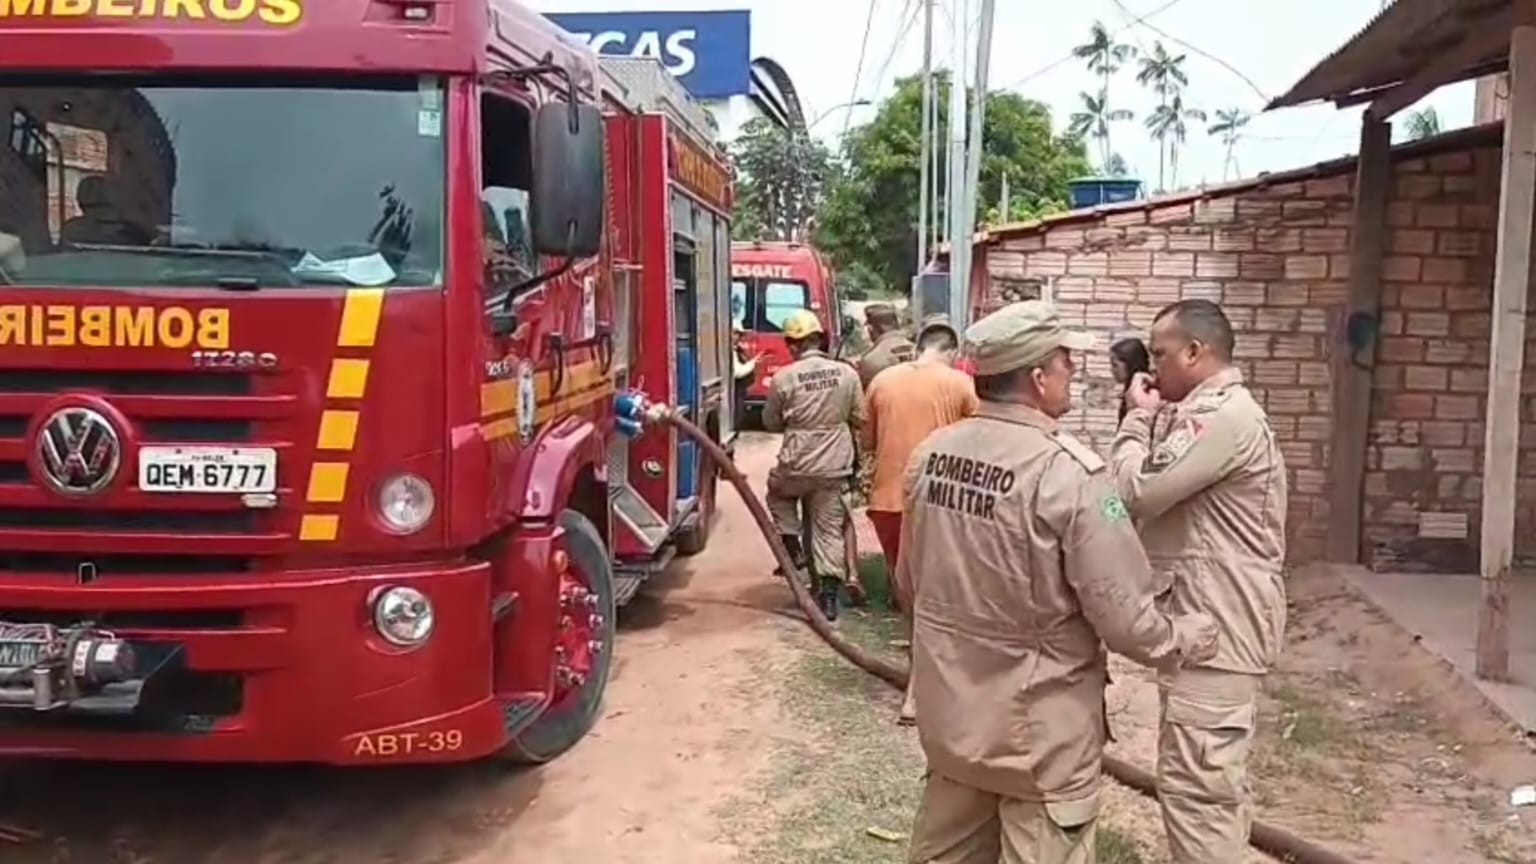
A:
x: 1114, y: 509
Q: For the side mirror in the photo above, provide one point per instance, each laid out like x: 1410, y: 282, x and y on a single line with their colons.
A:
x: 566, y: 202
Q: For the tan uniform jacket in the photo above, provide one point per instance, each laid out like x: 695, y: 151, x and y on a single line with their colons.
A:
x: 1019, y: 557
x: 817, y: 403
x: 1211, y: 500
x: 891, y: 348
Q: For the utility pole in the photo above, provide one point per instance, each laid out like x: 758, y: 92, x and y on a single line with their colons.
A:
x: 1003, y: 206
x: 959, y: 247
x: 926, y: 169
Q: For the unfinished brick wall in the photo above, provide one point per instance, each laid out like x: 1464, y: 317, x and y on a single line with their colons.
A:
x: 1276, y: 256
x: 1423, y: 482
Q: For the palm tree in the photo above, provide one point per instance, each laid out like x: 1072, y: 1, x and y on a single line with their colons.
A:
x: 1104, y: 57
x: 1164, y: 73
x: 1093, y: 122
x: 1229, y: 124
x: 1167, y: 125
x: 1423, y: 124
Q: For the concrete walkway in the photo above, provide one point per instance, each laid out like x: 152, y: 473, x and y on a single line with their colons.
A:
x: 1442, y: 610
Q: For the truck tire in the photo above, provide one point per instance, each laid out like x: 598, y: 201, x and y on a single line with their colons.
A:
x: 576, y: 707
x: 693, y: 540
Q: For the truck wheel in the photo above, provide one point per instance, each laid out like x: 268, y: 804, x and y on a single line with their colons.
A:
x: 693, y: 540
x: 584, y: 649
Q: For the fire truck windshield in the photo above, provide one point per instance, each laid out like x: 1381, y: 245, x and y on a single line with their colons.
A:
x: 233, y: 181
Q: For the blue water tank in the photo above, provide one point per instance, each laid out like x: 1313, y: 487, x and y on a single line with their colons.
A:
x: 1093, y: 191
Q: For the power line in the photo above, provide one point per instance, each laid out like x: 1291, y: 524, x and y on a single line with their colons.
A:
x: 1069, y: 56
x: 911, y: 12
x: 858, y: 72
x: 1211, y: 57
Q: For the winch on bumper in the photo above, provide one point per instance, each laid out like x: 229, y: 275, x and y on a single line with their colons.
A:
x: 46, y: 668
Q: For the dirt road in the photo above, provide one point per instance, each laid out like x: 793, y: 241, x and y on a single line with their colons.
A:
x: 730, y: 735
x: 687, y: 721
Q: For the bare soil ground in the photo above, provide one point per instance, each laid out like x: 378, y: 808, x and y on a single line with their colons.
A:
x: 1367, y: 743
x: 689, y: 719
x: 731, y: 735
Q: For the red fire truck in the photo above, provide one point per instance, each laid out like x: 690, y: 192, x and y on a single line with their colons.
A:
x: 769, y: 281
x: 312, y: 317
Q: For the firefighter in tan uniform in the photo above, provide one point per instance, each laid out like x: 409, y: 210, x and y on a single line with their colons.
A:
x: 888, y: 344
x: 1020, y: 562
x: 1210, y: 493
x: 818, y: 405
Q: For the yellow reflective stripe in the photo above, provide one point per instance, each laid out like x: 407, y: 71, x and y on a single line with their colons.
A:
x: 349, y: 378
x: 319, y: 526
x: 360, y: 317
x: 327, y: 483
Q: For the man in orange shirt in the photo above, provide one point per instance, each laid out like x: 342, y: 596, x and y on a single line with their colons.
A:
x: 904, y: 404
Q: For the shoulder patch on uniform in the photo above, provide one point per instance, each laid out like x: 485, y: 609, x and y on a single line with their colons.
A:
x: 1113, y: 508
x: 1079, y: 451
x: 1185, y: 432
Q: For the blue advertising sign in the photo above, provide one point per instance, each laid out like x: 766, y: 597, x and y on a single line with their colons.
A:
x: 709, y: 52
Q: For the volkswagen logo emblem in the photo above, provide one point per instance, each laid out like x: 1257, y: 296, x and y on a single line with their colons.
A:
x: 78, y: 451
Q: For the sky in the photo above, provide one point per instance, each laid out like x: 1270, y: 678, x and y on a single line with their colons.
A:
x: 1271, y: 44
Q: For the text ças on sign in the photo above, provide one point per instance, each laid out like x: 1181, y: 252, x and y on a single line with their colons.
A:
x: 674, y: 50
x: 275, y: 12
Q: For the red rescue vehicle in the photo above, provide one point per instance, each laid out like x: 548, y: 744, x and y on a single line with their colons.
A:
x: 312, y: 319
x: 770, y: 281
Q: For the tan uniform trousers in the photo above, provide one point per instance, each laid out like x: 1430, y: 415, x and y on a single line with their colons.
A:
x: 958, y: 824
x: 1206, y: 733
x: 823, y: 497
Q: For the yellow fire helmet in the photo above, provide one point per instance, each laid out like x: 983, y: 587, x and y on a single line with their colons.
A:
x: 801, y: 324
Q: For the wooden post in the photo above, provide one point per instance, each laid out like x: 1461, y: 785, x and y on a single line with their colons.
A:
x: 1351, y: 367
x: 1511, y: 282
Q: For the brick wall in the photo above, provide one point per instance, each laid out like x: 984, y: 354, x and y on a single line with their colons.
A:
x: 1275, y: 254
x: 1423, y: 481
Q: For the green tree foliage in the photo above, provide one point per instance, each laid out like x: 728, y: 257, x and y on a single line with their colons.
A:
x: 1104, y: 57
x: 781, y: 176
x: 870, y: 218
x: 1164, y: 74
x: 1230, y: 123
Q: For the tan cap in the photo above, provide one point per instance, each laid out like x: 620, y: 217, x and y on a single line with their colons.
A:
x: 1018, y: 335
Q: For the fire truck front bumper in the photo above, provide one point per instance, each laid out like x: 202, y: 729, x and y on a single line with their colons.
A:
x: 317, y: 666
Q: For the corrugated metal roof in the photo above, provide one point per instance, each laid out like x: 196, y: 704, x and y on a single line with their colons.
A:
x: 1397, y: 44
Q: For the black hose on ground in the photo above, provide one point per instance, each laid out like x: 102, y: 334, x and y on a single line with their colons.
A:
x: 1266, y: 838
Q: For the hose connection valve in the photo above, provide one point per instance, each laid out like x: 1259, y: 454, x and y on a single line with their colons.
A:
x: 633, y: 411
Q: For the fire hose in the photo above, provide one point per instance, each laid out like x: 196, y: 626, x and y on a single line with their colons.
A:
x: 1266, y: 838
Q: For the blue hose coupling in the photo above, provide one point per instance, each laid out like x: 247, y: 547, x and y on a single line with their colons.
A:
x: 629, y: 413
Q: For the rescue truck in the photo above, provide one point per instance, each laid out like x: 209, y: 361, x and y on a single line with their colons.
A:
x: 769, y: 282
x: 313, y: 318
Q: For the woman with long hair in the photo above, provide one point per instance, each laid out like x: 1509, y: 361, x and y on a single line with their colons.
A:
x: 1126, y: 358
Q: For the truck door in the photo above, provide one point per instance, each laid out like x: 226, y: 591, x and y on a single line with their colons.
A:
x: 685, y: 312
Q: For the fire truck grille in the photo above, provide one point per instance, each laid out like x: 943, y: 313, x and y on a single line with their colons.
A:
x: 148, y: 521
x: 161, y: 407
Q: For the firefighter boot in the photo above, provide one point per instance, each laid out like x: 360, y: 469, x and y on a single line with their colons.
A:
x: 796, y: 553
x: 829, y: 597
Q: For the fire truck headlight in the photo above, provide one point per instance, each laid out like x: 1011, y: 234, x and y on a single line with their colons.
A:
x: 403, y: 616
x: 406, y: 503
